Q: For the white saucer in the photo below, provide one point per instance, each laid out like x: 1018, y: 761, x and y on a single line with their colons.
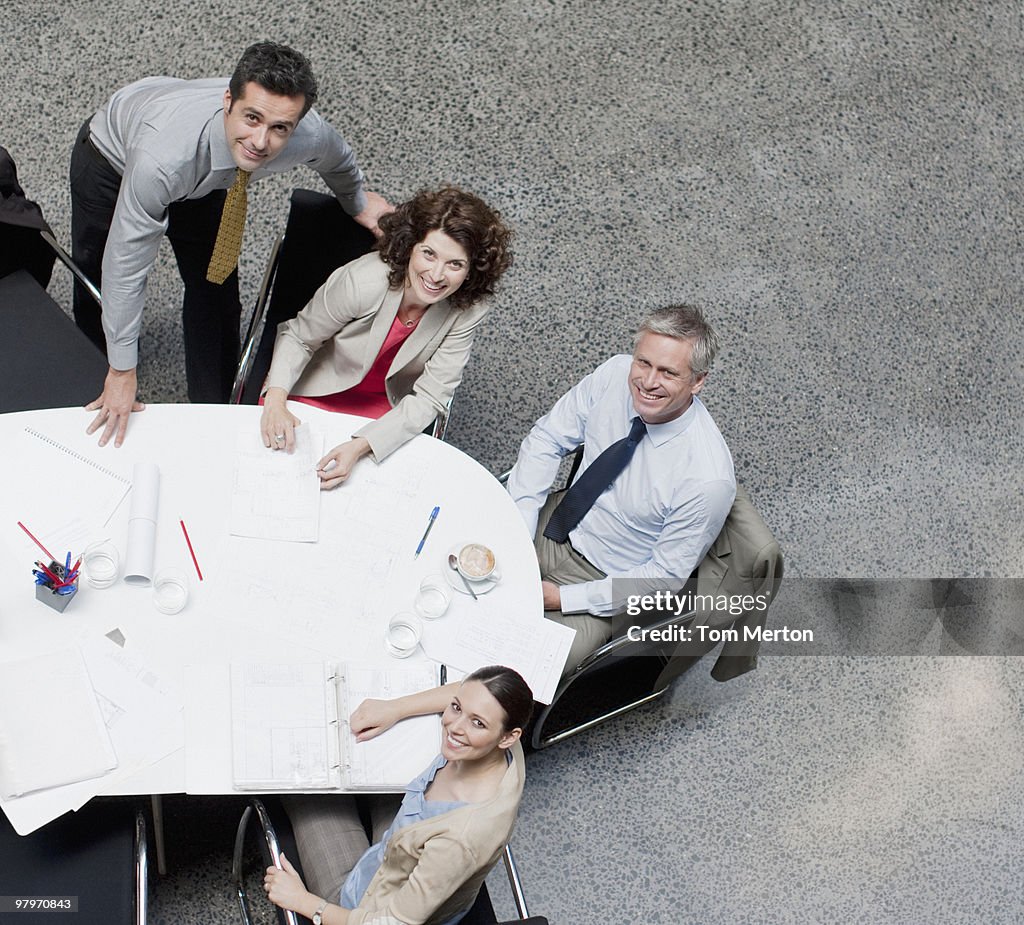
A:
x: 455, y: 580
x: 454, y: 577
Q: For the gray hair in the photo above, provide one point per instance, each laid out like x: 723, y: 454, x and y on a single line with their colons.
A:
x: 684, y: 322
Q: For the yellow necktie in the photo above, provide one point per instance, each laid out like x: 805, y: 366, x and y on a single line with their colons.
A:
x: 229, y: 236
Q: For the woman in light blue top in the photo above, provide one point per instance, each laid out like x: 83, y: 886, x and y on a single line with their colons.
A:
x: 454, y: 821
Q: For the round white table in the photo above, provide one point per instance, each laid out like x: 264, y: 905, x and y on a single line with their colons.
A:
x: 259, y: 600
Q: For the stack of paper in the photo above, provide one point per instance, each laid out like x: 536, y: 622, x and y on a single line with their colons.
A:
x: 51, y: 728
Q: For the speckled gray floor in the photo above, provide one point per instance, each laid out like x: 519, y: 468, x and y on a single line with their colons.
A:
x: 840, y: 185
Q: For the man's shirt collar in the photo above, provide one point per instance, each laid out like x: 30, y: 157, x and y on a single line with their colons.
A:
x: 660, y: 434
x: 220, y: 150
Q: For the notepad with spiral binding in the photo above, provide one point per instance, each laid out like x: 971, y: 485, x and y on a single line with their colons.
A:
x: 68, y: 495
x: 81, y: 457
x: 290, y: 730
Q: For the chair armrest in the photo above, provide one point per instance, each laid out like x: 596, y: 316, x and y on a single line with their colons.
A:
x: 514, y: 882
x: 440, y: 426
x: 620, y: 642
x: 272, y: 847
x: 141, y: 870
x: 576, y: 457
x: 65, y: 258
x: 257, y: 322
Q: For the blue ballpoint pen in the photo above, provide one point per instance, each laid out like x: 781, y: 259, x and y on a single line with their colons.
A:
x: 426, y: 533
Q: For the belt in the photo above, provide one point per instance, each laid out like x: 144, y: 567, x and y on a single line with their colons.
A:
x: 94, y: 152
x: 576, y: 554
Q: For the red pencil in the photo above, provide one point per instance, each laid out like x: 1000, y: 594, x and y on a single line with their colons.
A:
x: 49, y: 554
x: 192, y: 552
x: 59, y: 582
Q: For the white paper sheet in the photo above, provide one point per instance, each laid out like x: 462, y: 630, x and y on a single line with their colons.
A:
x: 283, y: 720
x: 276, y: 495
x: 52, y: 731
x: 142, y: 716
x: 66, y: 496
x: 395, y: 757
x: 537, y: 649
x: 328, y: 595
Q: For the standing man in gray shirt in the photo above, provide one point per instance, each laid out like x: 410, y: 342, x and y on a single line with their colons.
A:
x: 158, y: 158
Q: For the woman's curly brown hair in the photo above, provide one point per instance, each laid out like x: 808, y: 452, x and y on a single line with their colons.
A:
x: 467, y: 220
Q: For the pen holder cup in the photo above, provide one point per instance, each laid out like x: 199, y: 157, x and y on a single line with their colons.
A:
x: 51, y: 596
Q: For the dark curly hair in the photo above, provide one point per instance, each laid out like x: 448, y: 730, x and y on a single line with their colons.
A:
x: 467, y: 220
x: 277, y: 69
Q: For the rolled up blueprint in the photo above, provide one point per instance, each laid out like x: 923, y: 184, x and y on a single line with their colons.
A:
x: 138, y: 565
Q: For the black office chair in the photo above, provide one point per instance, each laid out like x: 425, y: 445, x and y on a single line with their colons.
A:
x: 318, y: 238
x: 96, y: 857
x: 275, y: 840
x: 45, y: 361
x: 625, y: 673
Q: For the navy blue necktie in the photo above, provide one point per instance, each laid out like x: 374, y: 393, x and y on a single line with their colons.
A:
x: 585, y: 490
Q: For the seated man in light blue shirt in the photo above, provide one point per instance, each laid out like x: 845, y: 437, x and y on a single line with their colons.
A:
x: 670, y: 471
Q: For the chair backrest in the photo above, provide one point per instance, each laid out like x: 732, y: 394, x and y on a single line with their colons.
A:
x: 45, y: 361
x: 21, y: 221
x: 745, y: 559
x: 319, y: 238
x: 97, y: 854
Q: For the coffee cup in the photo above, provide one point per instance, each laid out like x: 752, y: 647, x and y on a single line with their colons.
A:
x: 403, y: 635
x: 476, y: 562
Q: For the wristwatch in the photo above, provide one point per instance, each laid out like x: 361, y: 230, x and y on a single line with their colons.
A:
x: 318, y: 916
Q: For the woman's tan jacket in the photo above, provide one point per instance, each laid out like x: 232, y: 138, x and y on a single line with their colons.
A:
x: 445, y: 856
x: 332, y: 343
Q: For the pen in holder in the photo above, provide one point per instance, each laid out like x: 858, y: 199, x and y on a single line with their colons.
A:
x: 56, y: 584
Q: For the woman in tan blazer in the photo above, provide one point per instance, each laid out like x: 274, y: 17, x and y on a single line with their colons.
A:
x: 452, y: 826
x: 387, y: 335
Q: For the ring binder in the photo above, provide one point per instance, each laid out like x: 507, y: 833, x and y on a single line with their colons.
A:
x: 290, y: 727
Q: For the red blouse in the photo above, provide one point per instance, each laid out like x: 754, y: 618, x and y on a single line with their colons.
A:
x: 368, y: 399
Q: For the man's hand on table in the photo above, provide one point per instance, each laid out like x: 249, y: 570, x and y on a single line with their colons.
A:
x: 116, y: 403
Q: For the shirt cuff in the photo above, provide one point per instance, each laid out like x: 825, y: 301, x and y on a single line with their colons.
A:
x: 574, y: 598
x: 123, y: 358
x: 355, y: 204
